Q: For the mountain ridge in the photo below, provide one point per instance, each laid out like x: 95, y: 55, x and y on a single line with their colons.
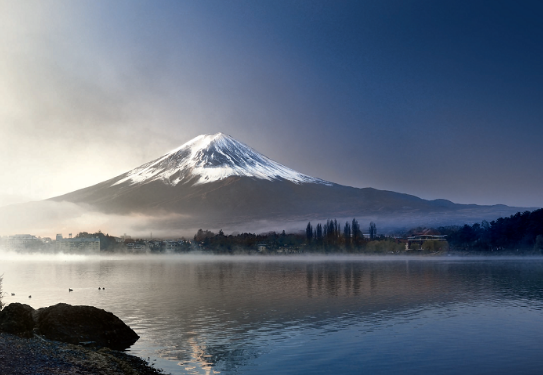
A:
x: 215, y: 180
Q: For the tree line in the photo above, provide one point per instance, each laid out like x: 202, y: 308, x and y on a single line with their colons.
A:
x: 329, y: 237
x: 243, y: 243
x: 522, y: 232
x: 518, y: 232
x: 332, y: 234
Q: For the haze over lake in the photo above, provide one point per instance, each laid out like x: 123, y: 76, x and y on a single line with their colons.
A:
x: 269, y: 315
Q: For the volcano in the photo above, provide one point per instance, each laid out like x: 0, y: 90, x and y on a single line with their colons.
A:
x: 215, y: 180
x: 210, y: 158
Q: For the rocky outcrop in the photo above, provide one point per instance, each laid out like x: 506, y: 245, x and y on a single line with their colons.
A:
x: 16, y: 318
x: 33, y: 356
x: 77, y: 324
x: 67, y: 323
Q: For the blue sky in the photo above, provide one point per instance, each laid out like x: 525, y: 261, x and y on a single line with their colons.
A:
x: 440, y: 99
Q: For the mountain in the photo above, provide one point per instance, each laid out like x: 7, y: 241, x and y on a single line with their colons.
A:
x: 216, y: 181
x: 210, y: 158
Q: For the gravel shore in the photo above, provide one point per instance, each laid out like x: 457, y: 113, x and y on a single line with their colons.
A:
x: 37, y: 356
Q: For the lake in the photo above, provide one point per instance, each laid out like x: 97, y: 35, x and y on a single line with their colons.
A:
x: 310, y: 315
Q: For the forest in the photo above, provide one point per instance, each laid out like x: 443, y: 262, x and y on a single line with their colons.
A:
x: 522, y: 232
x: 519, y: 233
x: 329, y: 237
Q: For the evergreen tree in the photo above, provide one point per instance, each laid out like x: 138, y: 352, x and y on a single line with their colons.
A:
x: 373, y: 231
x: 347, y: 233
x: 356, y: 232
x: 309, y: 232
x: 331, y: 233
x: 319, y: 233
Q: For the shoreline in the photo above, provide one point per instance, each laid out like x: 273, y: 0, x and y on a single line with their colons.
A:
x: 37, y: 355
x: 412, y: 254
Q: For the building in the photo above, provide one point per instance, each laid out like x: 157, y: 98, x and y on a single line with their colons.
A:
x: 420, y: 239
x: 22, y: 241
x: 83, y: 245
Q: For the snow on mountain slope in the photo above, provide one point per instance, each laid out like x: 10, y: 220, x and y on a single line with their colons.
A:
x: 209, y: 158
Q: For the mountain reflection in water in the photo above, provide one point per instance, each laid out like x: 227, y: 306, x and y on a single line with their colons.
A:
x: 316, y: 315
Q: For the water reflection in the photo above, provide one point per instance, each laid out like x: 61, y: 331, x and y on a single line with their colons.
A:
x: 248, y: 306
x: 230, y: 315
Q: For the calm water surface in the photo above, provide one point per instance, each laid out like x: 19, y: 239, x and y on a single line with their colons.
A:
x: 306, y: 315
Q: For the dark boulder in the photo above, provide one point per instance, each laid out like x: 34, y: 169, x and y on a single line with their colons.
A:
x: 76, y: 324
x: 16, y: 318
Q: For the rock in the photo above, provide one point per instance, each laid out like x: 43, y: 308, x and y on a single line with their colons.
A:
x: 71, y: 324
x: 16, y: 318
x: 76, y: 324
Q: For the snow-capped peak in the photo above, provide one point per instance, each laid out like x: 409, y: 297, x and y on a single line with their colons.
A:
x: 209, y: 158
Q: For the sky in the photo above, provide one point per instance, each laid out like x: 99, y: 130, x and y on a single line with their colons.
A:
x: 439, y: 99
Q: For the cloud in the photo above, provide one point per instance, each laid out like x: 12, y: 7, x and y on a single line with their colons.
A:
x: 7, y: 199
x: 75, y: 109
x: 47, y: 218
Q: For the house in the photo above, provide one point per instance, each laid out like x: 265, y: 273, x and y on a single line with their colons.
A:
x: 420, y: 239
x: 22, y: 241
x: 82, y: 245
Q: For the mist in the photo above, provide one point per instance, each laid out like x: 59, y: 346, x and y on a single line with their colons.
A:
x: 47, y: 218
